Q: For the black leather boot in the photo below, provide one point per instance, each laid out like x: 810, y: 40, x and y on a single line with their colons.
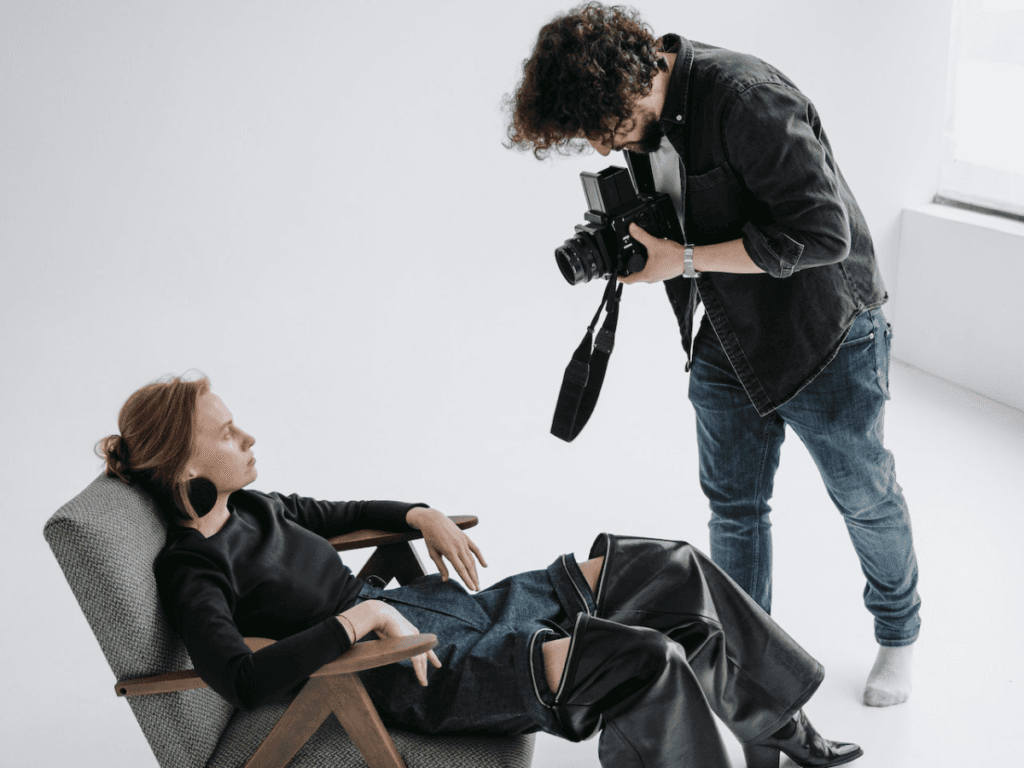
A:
x: 754, y: 675
x: 636, y: 685
x: 805, y: 747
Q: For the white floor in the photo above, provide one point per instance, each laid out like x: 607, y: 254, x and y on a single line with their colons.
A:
x: 959, y: 459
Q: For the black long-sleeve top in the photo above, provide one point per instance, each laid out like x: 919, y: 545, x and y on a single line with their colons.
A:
x: 268, y: 572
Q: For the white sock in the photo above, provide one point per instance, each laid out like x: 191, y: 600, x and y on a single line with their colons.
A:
x: 890, y: 679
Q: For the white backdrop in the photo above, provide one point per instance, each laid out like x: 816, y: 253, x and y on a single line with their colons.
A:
x: 311, y: 203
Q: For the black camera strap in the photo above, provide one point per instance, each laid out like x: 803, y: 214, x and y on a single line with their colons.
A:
x: 585, y: 373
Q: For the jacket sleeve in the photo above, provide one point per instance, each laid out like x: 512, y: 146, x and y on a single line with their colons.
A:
x: 774, y: 141
x: 333, y: 518
x: 198, y: 605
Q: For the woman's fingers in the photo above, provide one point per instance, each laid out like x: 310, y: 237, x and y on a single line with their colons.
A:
x: 477, y: 552
x: 461, y: 555
x: 396, y: 625
x: 438, y: 559
x: 419, y: 665
x: 466, y: 569
x: 446, y: 541
x: 458, y: 561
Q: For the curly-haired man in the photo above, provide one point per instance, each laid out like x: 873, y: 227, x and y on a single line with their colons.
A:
x: 778, y: 251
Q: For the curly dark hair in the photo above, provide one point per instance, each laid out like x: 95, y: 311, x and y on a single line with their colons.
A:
x: 586, y: 70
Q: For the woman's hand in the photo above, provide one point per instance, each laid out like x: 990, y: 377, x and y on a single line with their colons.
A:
x: 444, y: 539
x: 387, y: 622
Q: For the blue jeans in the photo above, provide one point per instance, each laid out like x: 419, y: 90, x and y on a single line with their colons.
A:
x: 839, y: 417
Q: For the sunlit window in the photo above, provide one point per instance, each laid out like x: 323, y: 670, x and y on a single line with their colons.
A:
x: 983, y: 163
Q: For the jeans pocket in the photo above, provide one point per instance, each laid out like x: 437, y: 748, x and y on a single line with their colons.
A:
x: 861, y: 332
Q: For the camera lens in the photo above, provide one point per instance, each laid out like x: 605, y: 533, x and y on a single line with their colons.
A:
x: 578, y: 259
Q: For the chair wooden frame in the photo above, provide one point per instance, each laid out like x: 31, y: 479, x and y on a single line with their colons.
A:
x: 335, y: 687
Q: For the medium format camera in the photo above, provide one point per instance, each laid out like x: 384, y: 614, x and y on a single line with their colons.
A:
x: 603, y: 247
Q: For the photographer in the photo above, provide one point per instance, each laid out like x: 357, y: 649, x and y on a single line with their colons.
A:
x: 775, y: 246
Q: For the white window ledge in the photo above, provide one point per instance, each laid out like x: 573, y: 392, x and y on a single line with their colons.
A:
x: 973, y: 218
x: 958, y: 298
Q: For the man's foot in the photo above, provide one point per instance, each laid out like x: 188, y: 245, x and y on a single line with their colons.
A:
x: 890, y: 679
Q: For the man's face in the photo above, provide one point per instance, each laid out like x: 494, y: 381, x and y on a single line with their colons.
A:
x: 640, y: 133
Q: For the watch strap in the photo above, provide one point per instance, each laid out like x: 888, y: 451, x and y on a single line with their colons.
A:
x: 688, y: 270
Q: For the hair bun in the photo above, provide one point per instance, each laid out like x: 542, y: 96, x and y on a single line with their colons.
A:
x: 114, y: 450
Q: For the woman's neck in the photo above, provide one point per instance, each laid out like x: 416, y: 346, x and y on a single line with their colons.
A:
x: 214, y: 520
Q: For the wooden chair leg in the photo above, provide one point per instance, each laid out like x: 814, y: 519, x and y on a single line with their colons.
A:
x: 397, y: 561
x: 300, y: 721
x: 357, y: 715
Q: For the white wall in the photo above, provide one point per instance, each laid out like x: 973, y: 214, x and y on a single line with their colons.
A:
x: 310, y: 202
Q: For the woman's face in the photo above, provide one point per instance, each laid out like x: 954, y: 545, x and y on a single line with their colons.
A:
x: 223, y: 452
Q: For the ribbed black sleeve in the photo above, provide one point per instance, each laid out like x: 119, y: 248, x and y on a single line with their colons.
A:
x: 269, y: 572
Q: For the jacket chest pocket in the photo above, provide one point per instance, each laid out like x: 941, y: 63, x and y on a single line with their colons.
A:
x: 714, y: 202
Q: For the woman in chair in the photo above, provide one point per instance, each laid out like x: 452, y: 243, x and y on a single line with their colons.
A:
x: 644, y: 640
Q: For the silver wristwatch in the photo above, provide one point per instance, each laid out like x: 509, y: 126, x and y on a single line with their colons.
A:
x: 688, y: 270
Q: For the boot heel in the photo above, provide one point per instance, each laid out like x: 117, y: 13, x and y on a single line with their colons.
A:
x: 761, y: 757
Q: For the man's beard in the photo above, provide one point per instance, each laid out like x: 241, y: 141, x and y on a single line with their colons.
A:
x: 651, y: 140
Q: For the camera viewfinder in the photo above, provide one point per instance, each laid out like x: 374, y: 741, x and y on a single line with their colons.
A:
x: 608, y: 191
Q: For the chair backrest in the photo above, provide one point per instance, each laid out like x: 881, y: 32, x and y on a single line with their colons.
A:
x: 106, y: 539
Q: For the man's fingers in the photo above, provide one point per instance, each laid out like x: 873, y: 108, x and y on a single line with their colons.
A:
x: 638, y: 233
x: 433, y: 659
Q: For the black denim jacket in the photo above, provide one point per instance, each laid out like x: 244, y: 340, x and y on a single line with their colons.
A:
x: 756, y: 165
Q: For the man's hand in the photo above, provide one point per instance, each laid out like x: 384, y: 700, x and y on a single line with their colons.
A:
x: 664, y: 258
x: 444, y: 539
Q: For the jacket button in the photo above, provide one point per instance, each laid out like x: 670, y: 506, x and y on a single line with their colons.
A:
x: 679, y: 117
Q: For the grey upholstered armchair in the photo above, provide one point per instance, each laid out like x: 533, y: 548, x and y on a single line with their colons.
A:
x: 106, y: 539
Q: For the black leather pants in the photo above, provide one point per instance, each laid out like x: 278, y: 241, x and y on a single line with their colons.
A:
x: 674, y: 640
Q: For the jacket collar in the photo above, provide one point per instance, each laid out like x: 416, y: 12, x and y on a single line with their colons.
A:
x: 677, y: 99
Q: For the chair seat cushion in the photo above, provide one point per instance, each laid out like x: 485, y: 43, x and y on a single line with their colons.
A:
x: 330, y: 746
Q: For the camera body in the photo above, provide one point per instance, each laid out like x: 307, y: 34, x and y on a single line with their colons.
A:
x: 602, y: 246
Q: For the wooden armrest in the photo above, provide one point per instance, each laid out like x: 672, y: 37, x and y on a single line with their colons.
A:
x: 377, y: 653
x: 365, y: 655
x: 374, y: 538
x: 186, y: 680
